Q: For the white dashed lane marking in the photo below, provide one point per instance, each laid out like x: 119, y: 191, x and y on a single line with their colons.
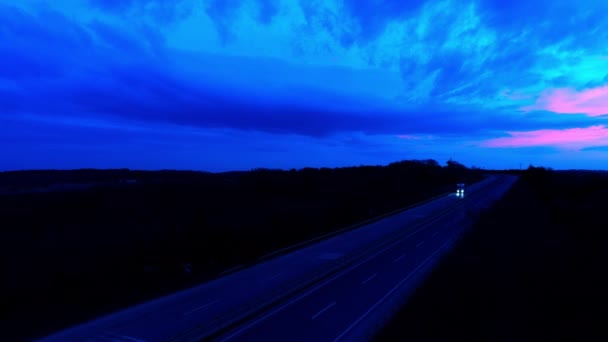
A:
x: 370, y: 278
x: 323, y: 310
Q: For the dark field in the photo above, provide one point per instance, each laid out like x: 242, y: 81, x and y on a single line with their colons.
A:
x: 534, y: 268
x: 77, y: 244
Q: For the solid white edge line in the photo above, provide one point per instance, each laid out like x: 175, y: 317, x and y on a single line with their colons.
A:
x: 296, y: 299
x: 341, y: 273
x: 390, y: 292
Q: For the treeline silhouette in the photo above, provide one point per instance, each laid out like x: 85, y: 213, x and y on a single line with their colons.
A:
x: 532, y: 269
x: 80, y: 243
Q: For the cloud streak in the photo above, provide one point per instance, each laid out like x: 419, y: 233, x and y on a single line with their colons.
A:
x: 458, y: 71
x: 576, y: 138
x: 592, y: 102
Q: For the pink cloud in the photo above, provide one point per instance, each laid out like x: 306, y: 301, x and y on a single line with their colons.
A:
x: 408, y: 137
x: 593, y: 102
x: 572, y: 138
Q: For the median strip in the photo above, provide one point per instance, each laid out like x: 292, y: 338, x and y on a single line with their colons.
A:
x: 334, y: 269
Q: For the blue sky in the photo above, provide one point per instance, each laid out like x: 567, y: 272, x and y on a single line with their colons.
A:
x: 237, y: 84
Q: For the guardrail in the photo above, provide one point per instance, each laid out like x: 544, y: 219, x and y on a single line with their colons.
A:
x: 326, y: 236
x: 316, y: 239
x: 232, y: 318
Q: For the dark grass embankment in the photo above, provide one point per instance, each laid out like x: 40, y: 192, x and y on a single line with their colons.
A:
x: 534, y: 268
x: 77, y: 244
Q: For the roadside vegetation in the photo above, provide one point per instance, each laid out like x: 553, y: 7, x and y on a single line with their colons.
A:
x: 532, y: 269
x: 77, y: 244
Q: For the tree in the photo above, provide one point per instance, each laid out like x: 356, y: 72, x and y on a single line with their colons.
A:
x: 452, y: 164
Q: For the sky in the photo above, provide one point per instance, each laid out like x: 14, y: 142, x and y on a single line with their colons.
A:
x: 222, y: 85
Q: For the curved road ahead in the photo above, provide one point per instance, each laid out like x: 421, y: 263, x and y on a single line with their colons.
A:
x: 343, y: 287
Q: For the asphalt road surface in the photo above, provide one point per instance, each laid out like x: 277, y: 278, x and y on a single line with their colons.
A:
x: 339, y: 288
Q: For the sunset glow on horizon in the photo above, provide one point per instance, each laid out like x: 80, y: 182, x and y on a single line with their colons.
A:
x: 234, y: 85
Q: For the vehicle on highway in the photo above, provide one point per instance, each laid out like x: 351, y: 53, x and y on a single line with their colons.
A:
x: 460, y: 190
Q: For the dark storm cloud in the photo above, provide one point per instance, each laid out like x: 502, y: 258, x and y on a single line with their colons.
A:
x: 150, y: 95
x: 33, y: 45
x: 96, y: 68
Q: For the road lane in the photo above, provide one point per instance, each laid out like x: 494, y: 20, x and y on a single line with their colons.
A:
x: 166, y: 318
x: 354, y: 303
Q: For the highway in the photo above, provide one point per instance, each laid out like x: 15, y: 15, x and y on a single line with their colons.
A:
x: 343, y: 287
